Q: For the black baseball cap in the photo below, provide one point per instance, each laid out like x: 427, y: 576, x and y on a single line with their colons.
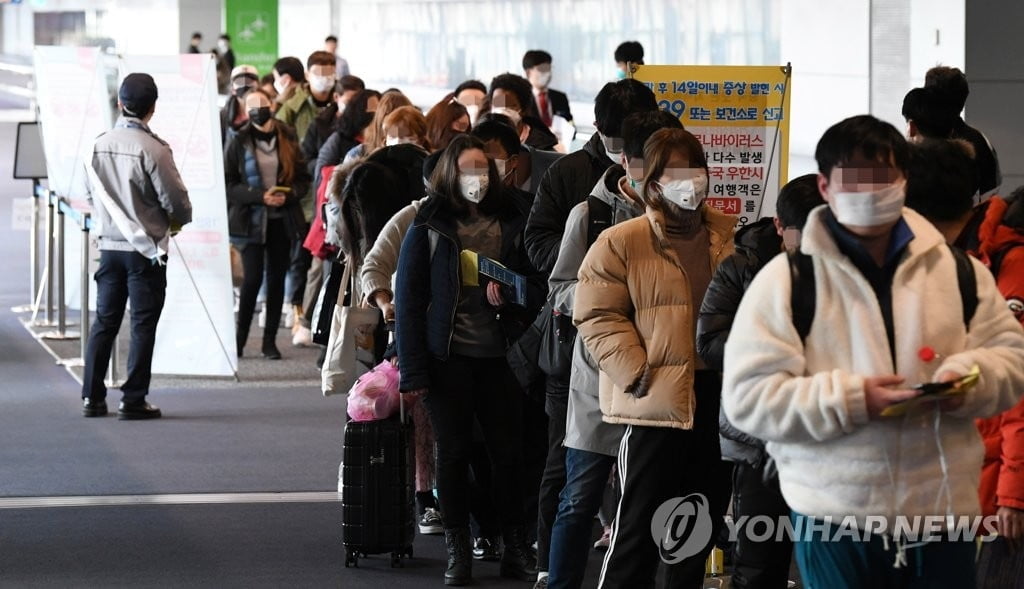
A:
x: 137, y: 94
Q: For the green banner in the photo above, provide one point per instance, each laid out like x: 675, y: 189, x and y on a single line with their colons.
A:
x: 252, y: 25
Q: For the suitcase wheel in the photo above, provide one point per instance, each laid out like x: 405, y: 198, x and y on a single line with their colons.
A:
x: 351, y: 559
x: 396, y: 560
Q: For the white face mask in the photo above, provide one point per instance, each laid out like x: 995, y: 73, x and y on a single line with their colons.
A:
x: 686, y: 194
x: 508, y: 112
x: 321, y: 84
x: 393, y: 140
x: 612, y: 147
x: 280, y: 85
x: 474, y: 113
x: 871, y: 208
x: 540, y: 79
x: 222, y: 46
x: 474, y: 186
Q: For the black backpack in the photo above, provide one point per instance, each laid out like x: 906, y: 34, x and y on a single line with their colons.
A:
x: 803, y: 295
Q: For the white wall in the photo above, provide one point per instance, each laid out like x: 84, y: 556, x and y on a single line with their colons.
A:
x: 827, y: 43
x: 937, y: 36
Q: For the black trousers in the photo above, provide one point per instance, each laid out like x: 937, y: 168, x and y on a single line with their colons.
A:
x: 657, y: 464
x: 299, y: 263
x: 462, y: 388
x: 759, y: 565
x: 273, y: 256
x: 124, y: 276
x: 556, y: 405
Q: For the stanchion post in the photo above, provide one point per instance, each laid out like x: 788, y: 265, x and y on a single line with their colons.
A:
x: 50, y: 213
x: 86, y: 226
x: 62, y: 321
x: 112, y: 378
x: 61, y: 307
x: 33, y: 248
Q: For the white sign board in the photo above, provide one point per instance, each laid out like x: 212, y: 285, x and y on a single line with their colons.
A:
x: 188, y: 340
x: 74, y: 109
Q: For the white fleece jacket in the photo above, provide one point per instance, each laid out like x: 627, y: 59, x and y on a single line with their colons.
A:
x: 808, y: 401
x: 381, y: 262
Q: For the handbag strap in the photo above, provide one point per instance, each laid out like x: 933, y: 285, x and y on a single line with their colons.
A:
x: 349, y: 281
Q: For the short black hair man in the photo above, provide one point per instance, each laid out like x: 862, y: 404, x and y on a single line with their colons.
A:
x: 550, y: 103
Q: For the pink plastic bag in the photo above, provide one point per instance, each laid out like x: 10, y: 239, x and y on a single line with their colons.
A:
x: 375, y: 394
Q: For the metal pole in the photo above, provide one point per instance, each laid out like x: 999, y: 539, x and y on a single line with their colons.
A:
x: 112, y: 378
x: 33, y: 253
x: 33, y: 249
x: 49, y: 259
x: 62, y: 333
x: 84, y: 337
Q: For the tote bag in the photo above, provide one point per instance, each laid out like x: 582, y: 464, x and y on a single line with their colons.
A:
x: 350, y: 346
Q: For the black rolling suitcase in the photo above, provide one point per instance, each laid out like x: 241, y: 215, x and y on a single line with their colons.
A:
x: 378, y: 489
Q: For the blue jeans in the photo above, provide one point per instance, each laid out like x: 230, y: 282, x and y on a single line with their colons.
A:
x: 852, y: 563
x: 586, y: 479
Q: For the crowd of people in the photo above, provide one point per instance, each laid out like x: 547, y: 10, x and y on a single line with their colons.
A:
x: 653, y: 350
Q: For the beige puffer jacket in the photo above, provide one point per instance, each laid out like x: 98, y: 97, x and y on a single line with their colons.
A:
x: 633, y: 311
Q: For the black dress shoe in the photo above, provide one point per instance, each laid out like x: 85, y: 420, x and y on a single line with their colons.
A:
x: 91, y: 408
x: 270, y: 351
x: 137, y: 411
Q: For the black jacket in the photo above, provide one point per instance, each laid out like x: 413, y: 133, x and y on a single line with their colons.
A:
x: 316, y: 136
x: 428, y: 284
x: 540, y: 136
x: 756, y: 245
x: 246, y: 211
x: 985, y: 160
x: 567, y: 183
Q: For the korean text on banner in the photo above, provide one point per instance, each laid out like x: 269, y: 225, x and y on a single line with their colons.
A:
x: 74, y: 109
x: 252, y: 25
x: 741, y: 116
x: 196, y: 335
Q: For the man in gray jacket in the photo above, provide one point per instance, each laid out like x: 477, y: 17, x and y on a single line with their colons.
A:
x: 591, y: 445
x: 140, y: 200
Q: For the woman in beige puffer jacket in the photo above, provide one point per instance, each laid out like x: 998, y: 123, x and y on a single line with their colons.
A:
x: 640, y: 287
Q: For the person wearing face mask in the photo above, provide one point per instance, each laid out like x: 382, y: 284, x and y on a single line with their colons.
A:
x: 264, y: 176
x: 520, y: 166
x: 887, y: 289
x: 234, y: 116
x: 755, y: 487
x: 446, y: 120
x: 570, y: 179
x: 374, y: 135
x: 636, y: 305
x: 471, y: 94
x: 453, y: 328
x: 225, y: 62
x: 550, y: 103
x: 511, y: 96
x: 626, y: 53
x: 583, y: 448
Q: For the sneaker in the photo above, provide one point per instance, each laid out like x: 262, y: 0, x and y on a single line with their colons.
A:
x: 302, y: 337
x: 542, y: 583
x: 289, y: 316
x: 262, y: 320
x: 430, y: 522
x: 487, y: 549
x: 605, y: 539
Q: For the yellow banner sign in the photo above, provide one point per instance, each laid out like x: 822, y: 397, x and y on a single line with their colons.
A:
x: 741, y: 116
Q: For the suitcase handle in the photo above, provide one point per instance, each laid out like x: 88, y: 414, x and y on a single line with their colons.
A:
x: 389, y: 326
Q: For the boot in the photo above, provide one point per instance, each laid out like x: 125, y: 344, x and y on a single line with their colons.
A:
x: 270, y: 351
x: 460, y: 561
x: 517, y: 561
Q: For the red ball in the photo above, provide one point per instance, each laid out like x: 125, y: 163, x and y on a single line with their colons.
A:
x: 926, y: 354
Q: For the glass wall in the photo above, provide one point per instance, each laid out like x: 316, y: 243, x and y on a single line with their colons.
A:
x: 439, y: 43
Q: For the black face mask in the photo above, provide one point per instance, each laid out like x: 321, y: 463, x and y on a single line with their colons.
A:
x: 259, y: 116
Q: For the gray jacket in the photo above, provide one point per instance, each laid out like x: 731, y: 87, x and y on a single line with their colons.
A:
x: 137, y: 170
x: 584, y: 427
